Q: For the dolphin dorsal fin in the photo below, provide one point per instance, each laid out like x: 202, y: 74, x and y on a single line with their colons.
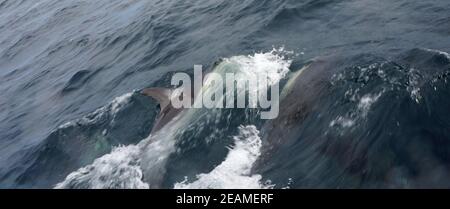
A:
x: 161, y: 95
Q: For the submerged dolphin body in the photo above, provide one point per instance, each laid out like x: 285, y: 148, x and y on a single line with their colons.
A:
x: 362, y: 122
x: 299, y: 98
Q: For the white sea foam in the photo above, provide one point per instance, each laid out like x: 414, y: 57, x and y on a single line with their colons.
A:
x: 273, y: 64
x: 342, y: 122
x: 235, y: 171
x: 362, y: 110
x: 124, y: 167
x: 414, y: 85
x: 119, y: 102
x: 118, y: 170
x: 366, y: 102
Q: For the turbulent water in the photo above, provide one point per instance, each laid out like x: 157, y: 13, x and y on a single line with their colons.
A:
x: 377, y: 117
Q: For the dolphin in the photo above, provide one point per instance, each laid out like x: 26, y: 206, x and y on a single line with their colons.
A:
x: 298, y: 98
x: 167, y: 111
x: 163, y: 96
x: 168, y: 125
x: 390, y: 146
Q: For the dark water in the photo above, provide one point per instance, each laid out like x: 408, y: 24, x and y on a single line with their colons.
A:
x: 379, y: 120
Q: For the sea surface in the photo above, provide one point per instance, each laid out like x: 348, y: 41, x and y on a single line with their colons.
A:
x: 71, y: 115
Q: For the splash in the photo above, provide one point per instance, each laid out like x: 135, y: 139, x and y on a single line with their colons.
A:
x: 275, y: 64
x: 234, y: 171
x: 118, y: 170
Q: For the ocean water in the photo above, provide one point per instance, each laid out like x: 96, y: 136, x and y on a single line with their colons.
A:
x: 376, y: 116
